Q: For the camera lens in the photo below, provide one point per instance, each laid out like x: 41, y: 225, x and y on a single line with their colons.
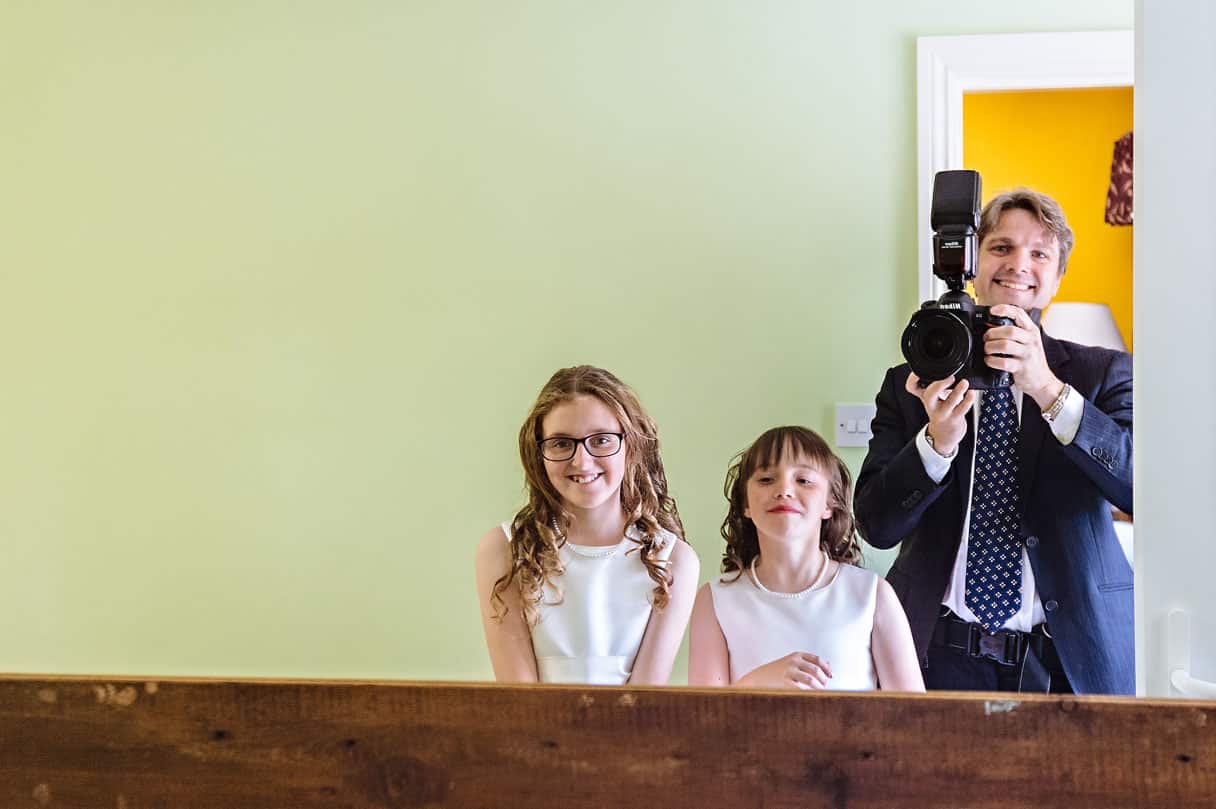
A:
x: 936, y: 344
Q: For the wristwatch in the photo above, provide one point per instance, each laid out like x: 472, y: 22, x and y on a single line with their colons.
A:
x: 932, y: 446
x: 1055, y: 408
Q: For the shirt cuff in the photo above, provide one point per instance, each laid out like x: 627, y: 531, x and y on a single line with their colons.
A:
x: 936, y: 467
x: 1066, y: 425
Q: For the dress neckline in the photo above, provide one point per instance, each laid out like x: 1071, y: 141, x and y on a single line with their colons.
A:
x: 632, y: 535
x: 595, y: 551
x: 817, y: 584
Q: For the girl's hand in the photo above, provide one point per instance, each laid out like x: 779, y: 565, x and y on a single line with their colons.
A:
x: 802, y: 670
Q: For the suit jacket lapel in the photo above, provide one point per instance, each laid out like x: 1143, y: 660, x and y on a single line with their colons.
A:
x: 1033, y: 428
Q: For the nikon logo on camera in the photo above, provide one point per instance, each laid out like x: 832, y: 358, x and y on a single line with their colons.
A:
x: 949, y: 306
x: 953, y: 244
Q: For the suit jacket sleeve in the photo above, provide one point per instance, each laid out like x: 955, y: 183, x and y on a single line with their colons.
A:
x: 1102, y: 448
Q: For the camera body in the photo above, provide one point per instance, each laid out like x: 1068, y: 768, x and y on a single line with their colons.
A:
x: 946, y: 337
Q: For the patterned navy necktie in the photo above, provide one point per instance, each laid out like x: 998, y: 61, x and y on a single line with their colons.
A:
x: 994, y: 544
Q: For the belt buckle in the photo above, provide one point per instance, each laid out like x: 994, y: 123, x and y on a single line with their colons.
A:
x: 994, y: 647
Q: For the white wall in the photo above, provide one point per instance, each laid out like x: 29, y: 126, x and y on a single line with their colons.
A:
x: 1175, y: 308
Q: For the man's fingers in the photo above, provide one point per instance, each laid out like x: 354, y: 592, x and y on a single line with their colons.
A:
x: 916, y: 390
x: 939, y: 390
x: 1011, y: 340
x: 1010, y: 364
x: 1009, y: 348
x: 928, y: 393
x: 1015, y: 313
x: 1014, y: 333
x: 951, y: 400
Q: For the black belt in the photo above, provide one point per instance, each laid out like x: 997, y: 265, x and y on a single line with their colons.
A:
x: 1007, y: 647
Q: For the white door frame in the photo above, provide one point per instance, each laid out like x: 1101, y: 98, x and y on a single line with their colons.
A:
x: 947, y: 67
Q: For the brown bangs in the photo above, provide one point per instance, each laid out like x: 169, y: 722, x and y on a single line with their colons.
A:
x: 787, y: 443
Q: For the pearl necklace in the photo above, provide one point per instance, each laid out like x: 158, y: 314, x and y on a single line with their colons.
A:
x: 812, y: 586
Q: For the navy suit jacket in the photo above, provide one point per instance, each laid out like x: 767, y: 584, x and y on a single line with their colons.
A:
x: 1081, y: 575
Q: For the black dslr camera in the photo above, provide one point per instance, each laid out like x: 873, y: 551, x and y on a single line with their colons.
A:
x: 946, y: 337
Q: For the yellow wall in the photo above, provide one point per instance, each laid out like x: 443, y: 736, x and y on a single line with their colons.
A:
x: 1061, y: 142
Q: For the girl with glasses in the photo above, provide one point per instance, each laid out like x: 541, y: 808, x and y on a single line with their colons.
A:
x: 792, y: 608
x: 592, y: 580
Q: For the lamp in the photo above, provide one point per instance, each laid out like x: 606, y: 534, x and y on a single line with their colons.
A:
x: 1090, y: 324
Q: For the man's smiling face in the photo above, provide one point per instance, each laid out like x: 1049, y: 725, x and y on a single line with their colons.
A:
x: 1019, y: 263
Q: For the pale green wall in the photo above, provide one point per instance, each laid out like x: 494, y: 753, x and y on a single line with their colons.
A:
x: 273, y: 274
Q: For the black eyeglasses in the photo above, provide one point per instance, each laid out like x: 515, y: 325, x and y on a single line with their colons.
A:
x: 599, y: 445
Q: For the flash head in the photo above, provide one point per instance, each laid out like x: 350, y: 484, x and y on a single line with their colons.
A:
x: 955, y: 219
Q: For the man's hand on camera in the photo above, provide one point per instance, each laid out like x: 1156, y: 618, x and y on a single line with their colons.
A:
x: 947, y: 409
x: 1018, y: 349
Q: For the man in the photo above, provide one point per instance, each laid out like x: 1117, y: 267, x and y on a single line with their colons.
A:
x: 1009, y: 567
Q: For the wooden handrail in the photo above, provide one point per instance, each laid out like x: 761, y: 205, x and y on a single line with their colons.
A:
x: 139, y: 742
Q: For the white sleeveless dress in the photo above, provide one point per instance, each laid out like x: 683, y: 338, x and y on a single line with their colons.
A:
x: 833, y: 621
x: 591, y: 632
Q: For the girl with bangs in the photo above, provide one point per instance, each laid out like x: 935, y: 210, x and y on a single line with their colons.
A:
x: 798, y: 611
x: 592, y: 580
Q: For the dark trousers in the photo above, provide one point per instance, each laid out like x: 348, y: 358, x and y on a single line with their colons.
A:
x: 954, y: 670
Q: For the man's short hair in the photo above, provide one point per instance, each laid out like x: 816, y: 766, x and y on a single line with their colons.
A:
x: 1042, y: 207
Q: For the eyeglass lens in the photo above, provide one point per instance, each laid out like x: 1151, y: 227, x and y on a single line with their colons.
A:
x: 600, y: 445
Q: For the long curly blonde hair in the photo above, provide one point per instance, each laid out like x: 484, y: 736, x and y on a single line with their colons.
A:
x: 837, y: 534
x: 539, y: 528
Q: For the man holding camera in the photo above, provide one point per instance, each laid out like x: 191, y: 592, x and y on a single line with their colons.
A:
x: 1009, y: 567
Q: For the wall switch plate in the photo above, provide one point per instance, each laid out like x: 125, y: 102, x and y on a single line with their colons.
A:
x: 853, y: 424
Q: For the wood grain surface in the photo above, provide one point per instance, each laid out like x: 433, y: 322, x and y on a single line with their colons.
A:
x: 124, y: 743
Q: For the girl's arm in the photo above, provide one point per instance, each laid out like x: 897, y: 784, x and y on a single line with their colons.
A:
x: 666, y: 627
x: 708, y: 655
x: 508, y: 640
x: 891, y: 644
